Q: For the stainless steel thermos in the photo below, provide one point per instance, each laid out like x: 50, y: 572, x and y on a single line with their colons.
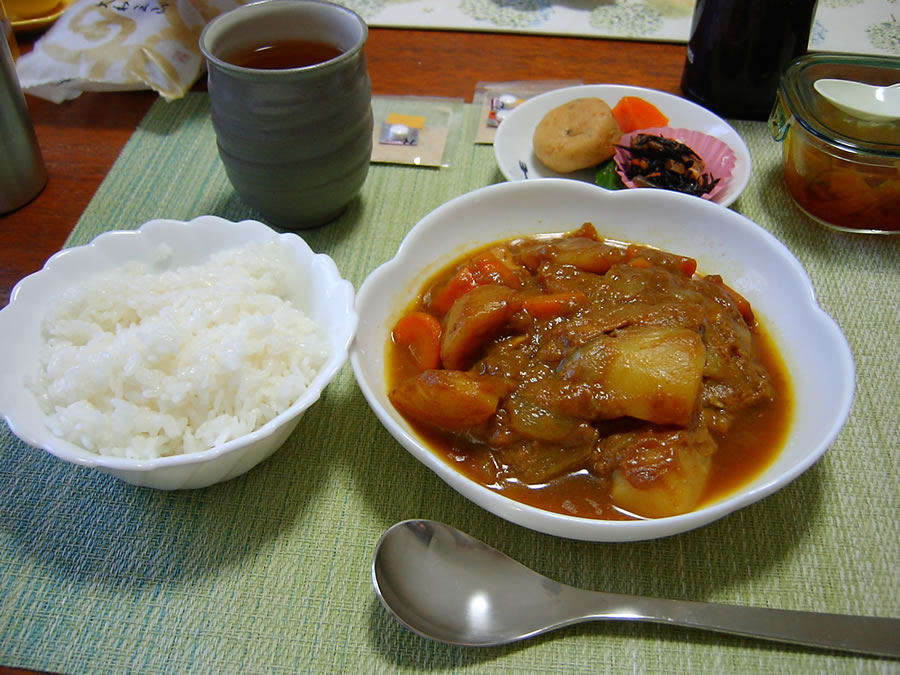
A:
x: 22, y: 171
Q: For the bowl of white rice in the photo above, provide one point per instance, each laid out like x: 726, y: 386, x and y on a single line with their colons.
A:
x: 173, y: 356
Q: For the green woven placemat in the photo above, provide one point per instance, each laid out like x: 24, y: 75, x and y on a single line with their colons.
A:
x: 270, y: 572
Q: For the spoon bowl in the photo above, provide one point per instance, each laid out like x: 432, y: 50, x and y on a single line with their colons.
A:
x: 864, y: 101
x: 448, y: 586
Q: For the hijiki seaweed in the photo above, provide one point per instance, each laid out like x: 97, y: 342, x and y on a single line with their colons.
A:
x: 656, y: 161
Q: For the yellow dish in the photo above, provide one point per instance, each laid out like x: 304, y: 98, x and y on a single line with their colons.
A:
x: 25, y: 25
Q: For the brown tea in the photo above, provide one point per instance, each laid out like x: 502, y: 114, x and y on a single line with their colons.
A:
x: 284, y: 54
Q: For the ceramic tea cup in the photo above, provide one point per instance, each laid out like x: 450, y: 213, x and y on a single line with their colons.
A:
x: 291, y: 105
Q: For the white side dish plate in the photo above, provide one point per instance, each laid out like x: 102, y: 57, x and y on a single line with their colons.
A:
x: 513, y: 145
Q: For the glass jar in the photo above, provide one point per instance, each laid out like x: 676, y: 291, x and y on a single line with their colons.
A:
x: 842, y: 171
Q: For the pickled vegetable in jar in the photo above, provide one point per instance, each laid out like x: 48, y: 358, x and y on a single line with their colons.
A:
x: 842, y: 171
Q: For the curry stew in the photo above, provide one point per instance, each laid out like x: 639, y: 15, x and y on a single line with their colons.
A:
x: 589, y: 377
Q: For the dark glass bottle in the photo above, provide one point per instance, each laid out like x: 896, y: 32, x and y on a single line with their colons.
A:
x: 738, y: 49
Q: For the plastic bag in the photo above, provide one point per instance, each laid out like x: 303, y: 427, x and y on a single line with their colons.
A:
x: 102, y: 45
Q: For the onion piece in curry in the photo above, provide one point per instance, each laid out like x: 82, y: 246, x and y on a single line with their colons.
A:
x: 589, y: 377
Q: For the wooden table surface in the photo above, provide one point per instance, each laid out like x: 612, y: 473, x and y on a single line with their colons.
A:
x: 81, y: 139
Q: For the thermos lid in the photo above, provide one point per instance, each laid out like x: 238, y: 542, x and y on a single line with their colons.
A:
x: 799, y: 102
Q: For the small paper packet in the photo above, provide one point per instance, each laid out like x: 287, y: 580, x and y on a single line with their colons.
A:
x: 415, y: 130
x: 110, y: 45
x: 498, y: 99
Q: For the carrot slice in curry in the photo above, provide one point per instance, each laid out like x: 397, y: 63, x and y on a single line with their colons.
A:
x: 421, y: 334
x: 493, y: 270
x: 460, y: 283
x: 485, y: 269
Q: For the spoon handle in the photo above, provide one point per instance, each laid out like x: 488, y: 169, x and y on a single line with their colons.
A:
x: 864, y: 634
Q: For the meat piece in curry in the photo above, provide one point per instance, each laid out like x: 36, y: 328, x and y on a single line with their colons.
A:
x: 567, y: 360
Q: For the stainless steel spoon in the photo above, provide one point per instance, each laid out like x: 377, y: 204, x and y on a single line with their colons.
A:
x: 446, y: 585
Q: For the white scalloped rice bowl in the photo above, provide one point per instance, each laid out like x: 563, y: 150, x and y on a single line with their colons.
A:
x: 513, y: 141
x: 724, y: 242
x: 319, y: 291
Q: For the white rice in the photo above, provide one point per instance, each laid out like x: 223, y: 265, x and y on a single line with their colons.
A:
x: 144, y: 364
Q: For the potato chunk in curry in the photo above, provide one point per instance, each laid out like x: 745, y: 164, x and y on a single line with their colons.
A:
x: 448, y: 399
x: 660, y: 473
x: 648, y: 372
x: 569, y: 358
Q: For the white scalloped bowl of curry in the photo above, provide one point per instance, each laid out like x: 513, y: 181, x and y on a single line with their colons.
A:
x: 603, y: 366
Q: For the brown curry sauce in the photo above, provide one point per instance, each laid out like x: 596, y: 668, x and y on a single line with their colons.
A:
x: 754, y: 436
